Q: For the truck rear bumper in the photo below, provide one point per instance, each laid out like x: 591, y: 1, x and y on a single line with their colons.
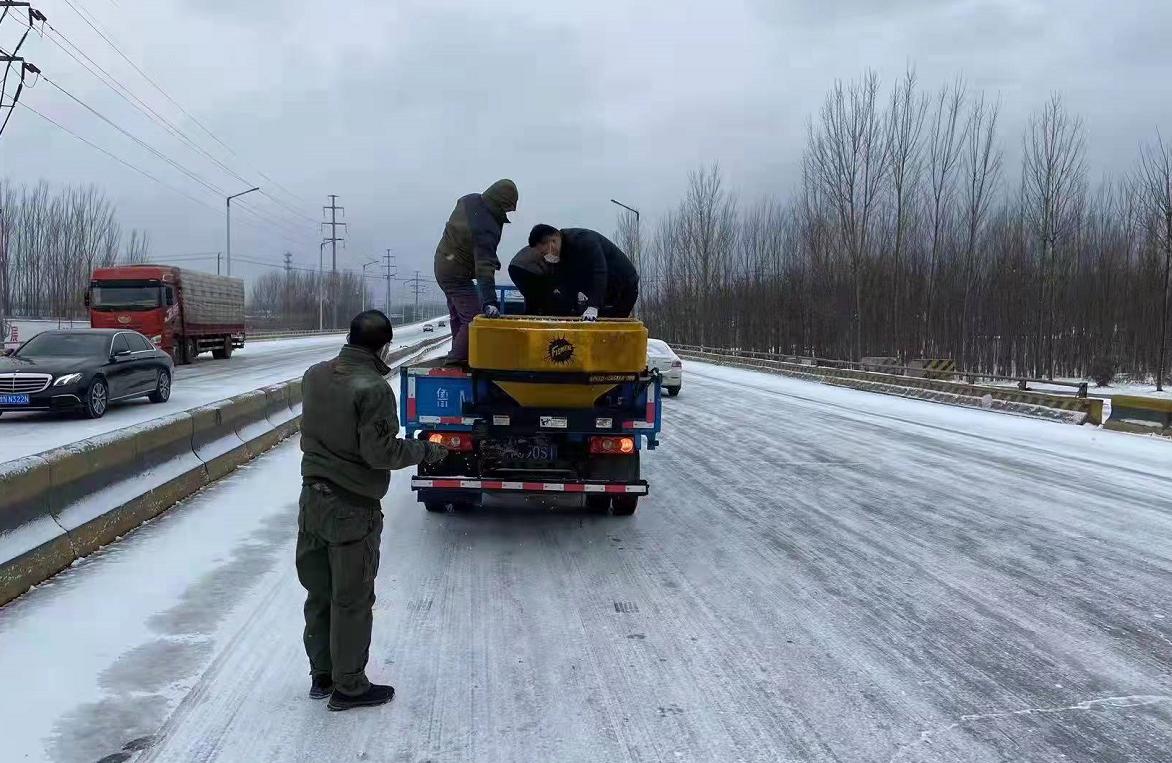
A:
x: 471, y: 485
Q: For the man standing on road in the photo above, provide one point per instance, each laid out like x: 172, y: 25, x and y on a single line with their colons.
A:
x: 467, y: 251
x: 350, y: 443
x: 595, y: 271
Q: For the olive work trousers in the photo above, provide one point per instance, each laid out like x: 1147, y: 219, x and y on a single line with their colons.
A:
x: 338, y: 535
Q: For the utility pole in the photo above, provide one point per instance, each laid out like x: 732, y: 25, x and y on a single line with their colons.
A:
x: 417, y: 284
x: 288, y: 284
x: 334, y: 209
x: 390, y: 258
x: 219, y: 256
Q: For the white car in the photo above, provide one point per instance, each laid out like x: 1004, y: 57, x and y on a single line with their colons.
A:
x: 663, y: 359
x: 428, y: 328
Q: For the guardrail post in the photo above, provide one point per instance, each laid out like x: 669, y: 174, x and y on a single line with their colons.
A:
x: 1082, y: 390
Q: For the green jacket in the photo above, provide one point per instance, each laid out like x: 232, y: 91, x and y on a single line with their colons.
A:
x: 473, y: 231
x: 350, y: 427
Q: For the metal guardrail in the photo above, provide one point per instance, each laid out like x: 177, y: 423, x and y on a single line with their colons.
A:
x: 1023, y: 382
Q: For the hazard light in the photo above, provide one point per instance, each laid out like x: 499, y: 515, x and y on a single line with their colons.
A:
x: 614, y: 446
x: 457, y: 441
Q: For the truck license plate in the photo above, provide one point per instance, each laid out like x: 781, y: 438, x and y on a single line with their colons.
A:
x: 13, y: 399
x: 522, y: 451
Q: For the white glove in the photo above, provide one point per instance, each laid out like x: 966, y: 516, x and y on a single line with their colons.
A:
x: 582, y: 299
x: 492, y: 311
x: 591, y: 314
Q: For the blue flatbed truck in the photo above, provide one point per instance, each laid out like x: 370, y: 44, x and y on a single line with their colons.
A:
x: 532, y: 430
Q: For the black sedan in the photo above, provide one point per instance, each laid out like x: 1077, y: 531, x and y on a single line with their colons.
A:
x: 83, y: 370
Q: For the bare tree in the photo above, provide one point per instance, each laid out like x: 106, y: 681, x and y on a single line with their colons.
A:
x: 1156, y: 191
x: 905, y: 126
x: 982, y: 172
x: 1053, y: 183
x: 138, y: 247
x: 849, y: 159
x: 945, y: 144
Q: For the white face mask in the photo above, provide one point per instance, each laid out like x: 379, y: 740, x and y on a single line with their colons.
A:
x: 553, y: 259
x: 385, y: 353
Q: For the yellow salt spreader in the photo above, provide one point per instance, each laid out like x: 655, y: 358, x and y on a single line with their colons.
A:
x: 549, y: 406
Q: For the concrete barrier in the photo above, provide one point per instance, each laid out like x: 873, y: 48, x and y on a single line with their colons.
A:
x: 214, y: 440
x: 1141, y: 415
x: 58, y: 506
x: 33, y: 547
x: 252, y: 423
x: 278, y: 412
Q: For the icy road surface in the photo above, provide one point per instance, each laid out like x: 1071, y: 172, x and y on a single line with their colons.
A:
x: 258, y: 364
x: 819, y: 574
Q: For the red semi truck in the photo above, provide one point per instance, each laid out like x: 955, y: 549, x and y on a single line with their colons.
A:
x: 183, y: 312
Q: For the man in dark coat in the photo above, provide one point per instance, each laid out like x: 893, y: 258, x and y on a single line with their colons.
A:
x: 467, y: 251
x: 594, y: 271
x: 537, y: 276
x: 350, y: 444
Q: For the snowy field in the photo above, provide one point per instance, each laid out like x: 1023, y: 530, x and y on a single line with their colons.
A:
x: 206, y: 381
x: 818, y: 574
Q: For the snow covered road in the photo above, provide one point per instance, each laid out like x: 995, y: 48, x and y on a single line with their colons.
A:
x: 258, y: 364
x: 818, y: 574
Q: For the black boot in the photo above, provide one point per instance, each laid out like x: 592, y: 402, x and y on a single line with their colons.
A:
x: 321, y: 687
x: 375, y: 695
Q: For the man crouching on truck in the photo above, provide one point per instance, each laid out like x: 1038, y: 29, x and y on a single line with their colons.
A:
x: 350, y: 444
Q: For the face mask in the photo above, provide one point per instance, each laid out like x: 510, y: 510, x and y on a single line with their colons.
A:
x: 385, y: 354
x: 553, y: 259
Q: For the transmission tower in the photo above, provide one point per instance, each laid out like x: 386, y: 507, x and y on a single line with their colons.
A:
x: 390, y: 273
x: 333, y: 210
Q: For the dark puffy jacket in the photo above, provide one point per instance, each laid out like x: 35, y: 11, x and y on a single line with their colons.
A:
x: 468, y: 247
x: 350, y: 427
x: 594, y: 266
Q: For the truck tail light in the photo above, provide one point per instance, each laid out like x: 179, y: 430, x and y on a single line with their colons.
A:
x: 460, y: 442
x: 613, y: 446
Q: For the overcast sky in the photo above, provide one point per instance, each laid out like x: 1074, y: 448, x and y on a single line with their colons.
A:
x: 401, y: 107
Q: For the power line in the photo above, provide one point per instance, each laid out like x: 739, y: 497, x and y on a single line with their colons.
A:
x: 118, y: 159
x: 130, y: 97
x: 164, y: 93
x: 189, y: 173
x: 137, y: 140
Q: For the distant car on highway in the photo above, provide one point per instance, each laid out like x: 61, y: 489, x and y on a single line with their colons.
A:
x: 428, y: 328
x: 663, y: 358
x: 442, y: 324
x: 83, y: 370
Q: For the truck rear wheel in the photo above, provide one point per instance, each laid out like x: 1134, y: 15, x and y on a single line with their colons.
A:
x: 624, y: 505
x: 225, y: 352
x: 191, y: 349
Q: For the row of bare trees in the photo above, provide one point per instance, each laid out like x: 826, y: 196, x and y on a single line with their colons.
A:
x: 51, y: 239
x: 298, y: 299
x: 906, y: 237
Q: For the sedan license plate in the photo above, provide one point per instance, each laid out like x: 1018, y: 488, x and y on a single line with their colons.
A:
x: 13, y: 399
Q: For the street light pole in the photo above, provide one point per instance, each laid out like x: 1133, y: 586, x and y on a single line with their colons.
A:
x: 228, y: 219
x: 364, y: 267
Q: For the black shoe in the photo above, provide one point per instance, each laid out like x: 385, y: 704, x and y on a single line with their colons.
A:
x: 321, y: 687
x: 375, y: 695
